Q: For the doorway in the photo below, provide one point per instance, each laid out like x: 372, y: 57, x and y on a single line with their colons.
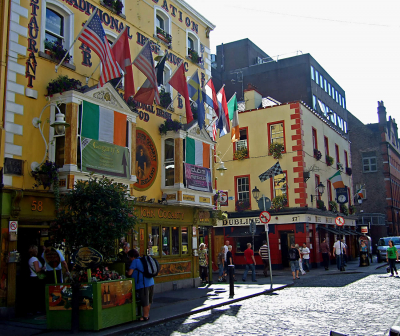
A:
x: 287, y: 238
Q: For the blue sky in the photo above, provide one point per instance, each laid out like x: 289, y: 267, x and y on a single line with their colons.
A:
x: 356, y: 42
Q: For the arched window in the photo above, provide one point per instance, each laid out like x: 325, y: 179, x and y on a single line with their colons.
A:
x: 193, y: 43
x: 169, y: 162
x: 54, y: 26
x: 162, y: 22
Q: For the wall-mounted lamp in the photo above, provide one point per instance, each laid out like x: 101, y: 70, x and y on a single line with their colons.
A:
x: 221, y: 167
x: 256, y: 193
x: 59, y: 127
x: 320, y: 189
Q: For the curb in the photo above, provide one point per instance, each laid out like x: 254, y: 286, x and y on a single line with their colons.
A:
x: 170, y: 318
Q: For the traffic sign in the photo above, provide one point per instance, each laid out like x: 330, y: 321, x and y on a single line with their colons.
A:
x: 265, y: 217
x: 339, y: 220
x: 13, y: 226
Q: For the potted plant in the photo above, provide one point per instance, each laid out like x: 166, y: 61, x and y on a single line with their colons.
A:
x: 169, y: 125
x: 339, y: 166
x: 56, y: 50
x: 321, y: 205
x: 276, y: 149
x: 163, y: 35
x: 329, y: 160
x: 242, y: 205
x: 241, y: 154
x: 62, y: 84
x: 317, y: 154
x: 165, y: 98
x: 344, y: 210
x: 279, y: 202
x: 333, y: 206
x: 352, y: 209
x: 194, y: 56
x: 349, y: 171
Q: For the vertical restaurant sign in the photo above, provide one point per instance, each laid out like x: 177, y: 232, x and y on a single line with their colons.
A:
x: 146, y: 163
x: 105, y: 158
x: 33, y: 32
x: 198, y: 178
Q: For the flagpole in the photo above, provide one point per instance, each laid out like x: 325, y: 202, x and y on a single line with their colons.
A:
x: 220, y: 89
x: 80, y: 33
x: 231, y: 97
x: 120, y: 34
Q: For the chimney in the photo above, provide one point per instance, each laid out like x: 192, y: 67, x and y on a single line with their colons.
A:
x: 381, y: 113
x: 252, y: 98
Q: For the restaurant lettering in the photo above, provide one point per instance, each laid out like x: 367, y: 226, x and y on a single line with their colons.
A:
x: 240, y: 221
x: 33, y: 32
x: 153, y: 110
x: 160, y: 213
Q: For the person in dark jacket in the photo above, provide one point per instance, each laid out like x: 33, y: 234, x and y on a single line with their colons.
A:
x: 294, y: 257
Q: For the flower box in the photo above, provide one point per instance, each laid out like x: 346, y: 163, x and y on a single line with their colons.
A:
x: 317, y: 154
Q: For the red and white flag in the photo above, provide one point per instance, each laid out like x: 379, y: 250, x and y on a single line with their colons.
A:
x: 214, y: 131
x: 94, y: 37
x: 144, y: 62
x: 122, y: 55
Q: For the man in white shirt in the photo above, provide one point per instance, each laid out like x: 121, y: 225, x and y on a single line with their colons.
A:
x: 226, y: 264
x: 305, y: 252
x: 338, y: 250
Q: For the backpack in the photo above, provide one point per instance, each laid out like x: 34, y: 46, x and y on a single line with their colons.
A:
x: 293, y: 254
x: 151, y: 266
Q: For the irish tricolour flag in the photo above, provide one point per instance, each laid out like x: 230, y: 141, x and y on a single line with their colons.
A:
x: 197, y: 153
x: 103, y: 124
x: 336, y: 180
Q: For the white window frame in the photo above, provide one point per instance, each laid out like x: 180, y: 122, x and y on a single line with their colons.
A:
x: 68, y: 16
x: 196, y: 42
x: 243, y: 192
x: 167, y: 162
x: 369, y: 164
x: 167, y: 20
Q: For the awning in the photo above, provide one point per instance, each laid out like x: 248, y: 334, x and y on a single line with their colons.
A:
x: 338, y: 231
x: 334, y: 231
x: 350, y: 232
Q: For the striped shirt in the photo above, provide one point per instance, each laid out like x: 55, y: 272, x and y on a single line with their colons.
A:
x: 264, y: 252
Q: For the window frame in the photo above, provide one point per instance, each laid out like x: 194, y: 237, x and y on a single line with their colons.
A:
x: 272, y: 187
x: 165, y: 162
x: 369, y: 164
x: 236, y: 188
x: 346, y: 159
x: 270, y: 134
x: 314, y: 136
x: 247, y: 143
x: 326, y: 144
x: 163, y: 15
x: 312, y: 73
x: 196, y: 41
x: 337, y: 153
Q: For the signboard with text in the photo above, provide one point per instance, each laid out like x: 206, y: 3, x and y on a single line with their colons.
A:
x: 198, y: 178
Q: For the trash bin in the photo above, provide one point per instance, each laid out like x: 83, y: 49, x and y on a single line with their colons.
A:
x: 364, y: 260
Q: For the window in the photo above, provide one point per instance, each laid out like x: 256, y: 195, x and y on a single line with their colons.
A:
x: 337, y: 99
x: 343, y: 103
x: 325, y: 86
x: 317, y: 180
x: 154, y: 241
x: 312, y: 72
x: 190, y: 43
x: 166, y: 241
x: 169, y: 162
x: 333, y: 92
x: 322, y: 107
x: 329, y: 191
x: 321, y: 81
x: 193, y: 42
x: 277, y: 133
x: 185, y: 240
x: 242, y: 189
x: 314, y: 139
x: 346, y: 159
x: 326, y: 143
x: 54, y: 26
x: 316, y: 77
x: 280, y: 185
x: 175, y: 240
x: 337, y: 153
x: 160, y: 22
x: 314, y: 102
x: 329, y: 88
x: 369, y: 162
x: 243, y: 142
x: 340, y: 99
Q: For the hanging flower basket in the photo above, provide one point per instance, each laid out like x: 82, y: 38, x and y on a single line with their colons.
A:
x: 165, y: 98
x: 279, y: 202
x: 241, y: 154
x: 317, y: 154
x: 329, y: 160
x: 276, y: 149
x: 46, y: 174
x: 242, y: 205
x: 169, y: 125
x: 333, y: 206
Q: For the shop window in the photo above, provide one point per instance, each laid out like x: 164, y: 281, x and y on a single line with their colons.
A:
x: 154, y: 241
x: 166, y: 241
x: 241, y: 243
x: 280, y: 185
x: 185, y: 240
x: 169, y: 164
x: 175, y: 240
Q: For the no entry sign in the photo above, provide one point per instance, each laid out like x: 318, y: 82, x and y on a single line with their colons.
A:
x: 265, y: 217
x: 339, y: 221
x: 13, y: 226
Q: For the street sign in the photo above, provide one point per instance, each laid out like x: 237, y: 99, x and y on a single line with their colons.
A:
x: 265, y: 217
x: 339, y: 220
x: 13, y: 226
x: 253, y: 227
x: 364, y: 229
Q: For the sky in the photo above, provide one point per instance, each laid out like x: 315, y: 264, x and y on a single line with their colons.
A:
x: 356, y: 42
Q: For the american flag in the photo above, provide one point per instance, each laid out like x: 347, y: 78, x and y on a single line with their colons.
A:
x: 94, y: 37
x: 144, y: 62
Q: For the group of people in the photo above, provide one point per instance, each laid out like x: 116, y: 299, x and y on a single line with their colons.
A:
x: 299, y: 259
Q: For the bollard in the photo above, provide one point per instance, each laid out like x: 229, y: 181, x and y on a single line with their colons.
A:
x: 231, y: 281
x: 394, y: 331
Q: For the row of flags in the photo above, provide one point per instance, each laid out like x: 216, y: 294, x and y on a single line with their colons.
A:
x: 116, y: 61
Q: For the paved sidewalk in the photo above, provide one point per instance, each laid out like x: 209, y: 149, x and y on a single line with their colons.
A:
x: 184, y: 302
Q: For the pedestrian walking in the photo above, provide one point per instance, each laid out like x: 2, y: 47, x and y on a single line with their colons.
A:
x: 144, y: 286
x: 221, y: 264
x: 229, y: 259
x: 203, y: 262
x: 263, y: 252
x: 36, y: 282
x: 345, y: 253
x: 226, y: 260
x: 392, y: 256
x: 250, y: 263
x: 294, y: 257
x: 305, y: 254
x: 300, y: 260
x: 339, y: 250
x: 324, y: 248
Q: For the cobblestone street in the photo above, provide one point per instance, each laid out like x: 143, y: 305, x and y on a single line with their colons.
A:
x: 353, y: 304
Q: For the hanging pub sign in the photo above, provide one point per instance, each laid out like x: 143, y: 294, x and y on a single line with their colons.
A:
x: 87, y: 257
x: 52, y: 257
x: 198, y: 178
x: 146, y: 160
x: 341, y: 195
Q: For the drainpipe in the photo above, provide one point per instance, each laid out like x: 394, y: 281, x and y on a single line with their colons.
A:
x: 391, y: 192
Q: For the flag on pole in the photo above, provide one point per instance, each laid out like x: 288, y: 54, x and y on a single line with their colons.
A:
x: 223, y: 122
x: 196, y: 94
x: 234, y: 117
x: 360, y: 193
x: 271, y: 172
x: 178, y: 82
x: 122, y: 55
x: 214, y: 131
x: 144, y: 62
x: 210, y: 96
x: 336, y: 180
x: 197, y: 153
x: 94, y: 37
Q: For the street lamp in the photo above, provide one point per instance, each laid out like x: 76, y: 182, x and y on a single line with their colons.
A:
x: 256, y: 195
x: 320, y: 189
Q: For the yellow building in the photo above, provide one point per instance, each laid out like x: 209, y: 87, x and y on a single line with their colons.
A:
x: 299, y: 213
x: 175, y: 216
